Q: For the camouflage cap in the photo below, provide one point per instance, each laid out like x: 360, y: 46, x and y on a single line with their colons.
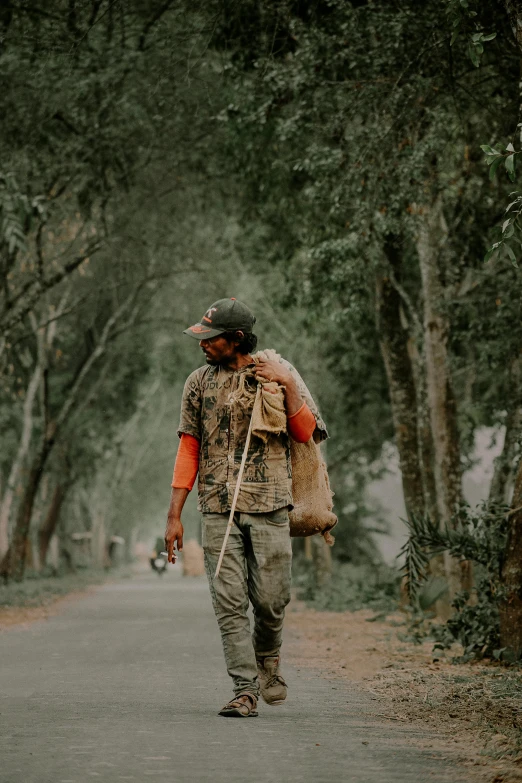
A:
x: 225, y: 315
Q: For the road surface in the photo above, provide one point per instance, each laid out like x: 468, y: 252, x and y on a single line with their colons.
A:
x: 125, y: 683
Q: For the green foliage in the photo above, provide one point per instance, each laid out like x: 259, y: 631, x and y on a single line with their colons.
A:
x: 43, y: 590
x: 14, y: 214
x: 511, y: 227
x: 475, y: 625
x: 479, y: 536
x: 348, y: 137
x: 350, y: 588
x: 464, y: 18
x: 282, y: 141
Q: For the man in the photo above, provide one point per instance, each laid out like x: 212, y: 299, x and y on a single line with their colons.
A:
x: 257, y: 562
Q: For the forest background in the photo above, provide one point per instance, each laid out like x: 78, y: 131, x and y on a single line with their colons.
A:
x: 346, y: 169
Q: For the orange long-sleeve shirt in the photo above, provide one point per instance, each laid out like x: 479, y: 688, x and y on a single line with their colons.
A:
x: 301, y: 426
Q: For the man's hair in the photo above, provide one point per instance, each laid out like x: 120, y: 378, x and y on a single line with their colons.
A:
x: 247, y: 343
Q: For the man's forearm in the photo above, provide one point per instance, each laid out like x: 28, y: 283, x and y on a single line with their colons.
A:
x: 174, y: 531
x: 177, y: 501
x: 293, y: 399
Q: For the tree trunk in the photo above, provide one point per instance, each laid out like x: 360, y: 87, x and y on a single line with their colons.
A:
x: 511, y: 577
x: 44, y: 340
x: 16, y: 467
x: 503, y: 465
x: 426, y: 447
x: 514, y: 12
x: 13, y: 563
x: 130, y: 545
x: 99, y: 540
x: 441, y: 400
x: 393, y: 341
x: 48, y: 527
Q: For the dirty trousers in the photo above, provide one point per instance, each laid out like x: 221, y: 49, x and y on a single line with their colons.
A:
x: 256, y: 567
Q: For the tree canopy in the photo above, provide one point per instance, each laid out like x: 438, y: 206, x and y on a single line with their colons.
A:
x: 345, y: 167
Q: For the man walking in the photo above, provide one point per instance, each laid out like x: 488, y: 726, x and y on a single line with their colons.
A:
x: 257, y: 563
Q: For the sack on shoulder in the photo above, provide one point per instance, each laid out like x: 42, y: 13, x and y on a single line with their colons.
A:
x: 312, y: 512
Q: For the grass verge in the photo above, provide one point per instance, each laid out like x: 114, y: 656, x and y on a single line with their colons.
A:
x: 34, y: 598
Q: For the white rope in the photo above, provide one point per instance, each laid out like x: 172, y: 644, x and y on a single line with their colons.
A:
x: 236, y: 491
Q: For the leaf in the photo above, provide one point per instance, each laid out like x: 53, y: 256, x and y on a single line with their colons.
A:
x: 511, y: 255
x: 489, y: 254
x: 494, y: 166
x: 431, y: 592
x: 510, y: 148
x: 488, y: 150
x: 489, y: 37
x: 473, y: 56
x: 510, y: 164
x: 505, y: 224
x: 454, y: 36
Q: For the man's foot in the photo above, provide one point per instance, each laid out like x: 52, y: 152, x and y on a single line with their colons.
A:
x: 273, y: 687
x: 242, y: 706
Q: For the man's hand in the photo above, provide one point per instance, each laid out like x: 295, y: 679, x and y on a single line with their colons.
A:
x: 173, y: 537
x: 174, y: 529
x: 270, y: 370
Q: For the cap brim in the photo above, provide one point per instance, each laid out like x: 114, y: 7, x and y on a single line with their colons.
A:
x: 202, y: 332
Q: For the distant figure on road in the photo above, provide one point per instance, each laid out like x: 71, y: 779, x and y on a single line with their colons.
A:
x: 157, y: 562
x: 257, y: 562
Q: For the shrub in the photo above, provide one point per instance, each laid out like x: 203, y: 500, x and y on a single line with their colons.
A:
x: 351, y: 587
x: 479, y: 536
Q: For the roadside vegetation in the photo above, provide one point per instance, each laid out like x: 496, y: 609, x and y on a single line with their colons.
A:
x: 43, y: 591
x: 350, y: 170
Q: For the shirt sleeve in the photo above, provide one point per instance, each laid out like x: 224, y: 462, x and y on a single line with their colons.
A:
x: 190, y: 417
x: 301, y: 424
x: 187, y: 463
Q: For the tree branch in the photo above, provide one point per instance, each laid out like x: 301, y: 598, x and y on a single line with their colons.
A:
x: 152, y: 21
x: 33, y: 290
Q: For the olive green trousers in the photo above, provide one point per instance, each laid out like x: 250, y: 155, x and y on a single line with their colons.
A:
x: 256, y: 569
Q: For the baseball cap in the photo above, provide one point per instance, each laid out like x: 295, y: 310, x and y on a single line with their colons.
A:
x: 225, y: 315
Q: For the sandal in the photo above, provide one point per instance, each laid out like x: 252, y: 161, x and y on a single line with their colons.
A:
x: 242, y: 706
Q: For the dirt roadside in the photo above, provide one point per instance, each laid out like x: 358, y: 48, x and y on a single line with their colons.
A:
x: 474, y: 710
x: 14, y: 616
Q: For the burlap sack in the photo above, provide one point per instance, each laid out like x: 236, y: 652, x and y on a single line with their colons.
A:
x: 312, y: 512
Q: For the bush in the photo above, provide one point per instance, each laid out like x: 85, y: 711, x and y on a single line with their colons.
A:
x: 36, y: 591
x: 479, y: 536
x: 350, y: 588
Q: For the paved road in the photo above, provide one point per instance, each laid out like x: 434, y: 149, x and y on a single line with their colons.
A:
x: 125, y: 684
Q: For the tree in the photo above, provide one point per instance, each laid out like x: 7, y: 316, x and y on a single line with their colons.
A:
x: 352, y: 125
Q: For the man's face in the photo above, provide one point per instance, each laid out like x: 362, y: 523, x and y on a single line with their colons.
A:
x: 218, y: 350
